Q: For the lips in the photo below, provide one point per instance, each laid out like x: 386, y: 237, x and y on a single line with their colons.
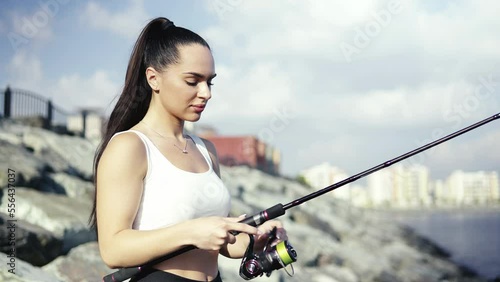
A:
x: 199, y: 108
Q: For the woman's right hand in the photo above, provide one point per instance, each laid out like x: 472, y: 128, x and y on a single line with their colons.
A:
x: 211, y: 233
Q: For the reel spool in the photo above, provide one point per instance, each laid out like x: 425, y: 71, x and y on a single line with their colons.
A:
x: 271, y: 258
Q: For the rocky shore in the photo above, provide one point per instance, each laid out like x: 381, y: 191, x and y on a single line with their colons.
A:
x: 50, y: 185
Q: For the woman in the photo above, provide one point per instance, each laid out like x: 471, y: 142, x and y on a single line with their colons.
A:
x: 157, y: 188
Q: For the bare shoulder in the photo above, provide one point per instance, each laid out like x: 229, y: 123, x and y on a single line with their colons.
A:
x: 125, y: 149
x: 127, y: 143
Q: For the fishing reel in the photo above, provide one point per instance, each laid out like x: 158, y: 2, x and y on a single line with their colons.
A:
x: 271, y: 258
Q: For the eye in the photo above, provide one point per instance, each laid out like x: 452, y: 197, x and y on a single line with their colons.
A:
x: 190, y: 83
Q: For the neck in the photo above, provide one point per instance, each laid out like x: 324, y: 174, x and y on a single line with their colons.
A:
x: 167, y: 126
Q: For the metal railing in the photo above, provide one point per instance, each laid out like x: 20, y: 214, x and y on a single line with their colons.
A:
x: 18, y: 103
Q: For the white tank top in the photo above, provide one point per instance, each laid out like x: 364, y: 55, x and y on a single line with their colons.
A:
x: 172, y: 195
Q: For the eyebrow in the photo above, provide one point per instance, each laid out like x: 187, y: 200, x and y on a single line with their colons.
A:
x: 199, y: 75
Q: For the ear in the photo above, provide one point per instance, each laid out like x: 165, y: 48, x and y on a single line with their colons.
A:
x: 153, y: 77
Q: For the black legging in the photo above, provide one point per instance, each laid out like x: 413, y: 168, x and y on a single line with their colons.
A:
x: 155, y: 275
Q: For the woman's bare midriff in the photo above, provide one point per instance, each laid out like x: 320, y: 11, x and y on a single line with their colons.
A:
x: 200, y: 265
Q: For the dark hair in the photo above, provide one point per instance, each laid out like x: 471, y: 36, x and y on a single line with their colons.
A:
x: 157, y: 47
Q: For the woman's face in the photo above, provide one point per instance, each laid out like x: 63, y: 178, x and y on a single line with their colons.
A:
x: 185, y: 88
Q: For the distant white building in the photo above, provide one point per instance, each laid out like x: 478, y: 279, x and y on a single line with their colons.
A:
x: 94, y: 122
x: 400, y: 186
x: 380, y: 186
x: 441, y: 195
x: 359, y: 196
x: 472, y: 188
x: 323, y: 175
x: 415, y: 187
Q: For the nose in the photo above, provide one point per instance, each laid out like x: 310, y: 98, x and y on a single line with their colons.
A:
x: 205, y: 92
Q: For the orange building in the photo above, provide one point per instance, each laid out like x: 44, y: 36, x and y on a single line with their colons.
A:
x: 246, y: 150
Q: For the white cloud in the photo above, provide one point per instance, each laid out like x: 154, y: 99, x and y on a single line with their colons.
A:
x: 461, y: 30
x: 305, y: 36
x: 31, y: 30
x: 72, y: 92
x: 25, y: 71
x: 127, y: 22
x: 449, y: 104
x: 316, y: 29
x: 69, y: 92
x: 38, y: 26
x: 256, y: 91
x: 417, y: 68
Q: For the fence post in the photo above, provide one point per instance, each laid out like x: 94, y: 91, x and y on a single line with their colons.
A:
x: 48, y: 119
x: 84, y: 123
x: 6, y: 102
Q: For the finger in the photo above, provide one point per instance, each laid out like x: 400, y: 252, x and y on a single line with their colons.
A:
x: 231, y: 239
x: 236, y: 219
x: 281, y: 234
x: 281, y: 238
x: 265, y: 233
x: 276, y: 223
x: 245, y: 228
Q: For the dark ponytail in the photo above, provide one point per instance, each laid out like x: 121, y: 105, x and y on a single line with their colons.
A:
x: 157, y: 47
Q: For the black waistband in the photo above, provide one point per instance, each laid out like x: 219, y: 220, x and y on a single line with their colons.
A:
x: 155, y: 275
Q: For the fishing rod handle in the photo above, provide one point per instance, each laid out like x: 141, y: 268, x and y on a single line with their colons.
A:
x: 265, y: 215
x: 129, y: 272
x: 261, y: 217
x: 122, y: 275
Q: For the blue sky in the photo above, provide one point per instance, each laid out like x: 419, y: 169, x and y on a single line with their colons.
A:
x: 352, y: 83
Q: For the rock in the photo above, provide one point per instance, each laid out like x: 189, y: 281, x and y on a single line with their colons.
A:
x: 24, y: 272
x: 78, y: 153
x: 423, y: 244
x: 65, y: 217
x: 73, y: 186
x: 24, y: 169
x: 62, y: 153
x: 32, y: 243
x: 305, y: 218
x: 82, y: 264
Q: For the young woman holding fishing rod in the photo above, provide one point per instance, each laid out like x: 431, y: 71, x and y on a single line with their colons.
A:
x: 158, y: 189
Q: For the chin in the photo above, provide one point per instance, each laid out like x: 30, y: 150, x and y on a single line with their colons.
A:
x: 193, y: 119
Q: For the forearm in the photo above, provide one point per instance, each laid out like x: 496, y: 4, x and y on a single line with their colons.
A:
x: 236, y: 250
x: 130, y: 247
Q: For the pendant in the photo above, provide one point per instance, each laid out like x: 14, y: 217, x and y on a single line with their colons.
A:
x: 185, y: 151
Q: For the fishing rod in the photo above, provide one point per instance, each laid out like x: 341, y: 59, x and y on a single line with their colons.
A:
x: 280, y: 209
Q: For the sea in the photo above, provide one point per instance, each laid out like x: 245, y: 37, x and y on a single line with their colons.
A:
x: 471, y: 236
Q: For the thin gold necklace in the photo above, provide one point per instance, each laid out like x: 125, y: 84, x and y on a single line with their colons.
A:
x: 185, y: 145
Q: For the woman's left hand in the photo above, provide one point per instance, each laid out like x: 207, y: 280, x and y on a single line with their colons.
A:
x: 266, y: 228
